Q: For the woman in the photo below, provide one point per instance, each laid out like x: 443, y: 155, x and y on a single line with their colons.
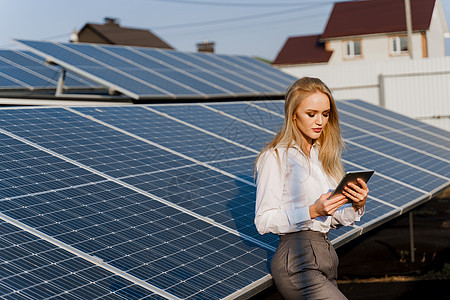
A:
x: 296, y: 173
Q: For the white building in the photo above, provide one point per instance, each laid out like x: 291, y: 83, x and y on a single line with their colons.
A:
x: 363, y: 53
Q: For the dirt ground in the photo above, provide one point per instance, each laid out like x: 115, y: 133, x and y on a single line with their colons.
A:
x: 378, y: 264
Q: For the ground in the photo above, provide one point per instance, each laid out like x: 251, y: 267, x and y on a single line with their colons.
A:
x: 378, y: 264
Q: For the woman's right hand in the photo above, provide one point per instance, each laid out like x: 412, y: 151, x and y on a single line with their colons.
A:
x: 326, y: 207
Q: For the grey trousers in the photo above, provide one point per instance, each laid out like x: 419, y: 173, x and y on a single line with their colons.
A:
x: 305, y: 266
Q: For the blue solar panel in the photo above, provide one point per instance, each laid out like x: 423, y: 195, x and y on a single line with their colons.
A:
x: 184, y: 62
x: 34, y: 268
x: 400, y: 133
x: 251, y: 77
x: 143, y: 73
x: 242, y: 167
x: 160, y: 173
x: 25, y: 70
x: 394, y: 121
x: 253, y: 115
x: 166, y: 132
x: 165, y: 194
x: 218, y: 124
x: 208, y: 63
x: 135, y: 233
x: 176, y: 75
x: 422, y: 156
x: 29, y: 79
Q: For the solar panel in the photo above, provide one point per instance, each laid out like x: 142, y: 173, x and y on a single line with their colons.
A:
x: 23, y: 69
x: 146, y: 73
x: 34, y: 268
x: 162, y: 196
x: 127, y: 230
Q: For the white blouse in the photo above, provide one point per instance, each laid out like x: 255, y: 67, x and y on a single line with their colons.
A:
x: 287, y: 185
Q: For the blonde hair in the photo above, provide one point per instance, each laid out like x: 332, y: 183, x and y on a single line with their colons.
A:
x: 331, y: 142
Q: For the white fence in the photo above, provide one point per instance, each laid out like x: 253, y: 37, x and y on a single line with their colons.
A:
x: 418, y: 88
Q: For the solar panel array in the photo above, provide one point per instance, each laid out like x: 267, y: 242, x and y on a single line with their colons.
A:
x: 149, y: 73
x: 158, y: 200
x: 25, y: 70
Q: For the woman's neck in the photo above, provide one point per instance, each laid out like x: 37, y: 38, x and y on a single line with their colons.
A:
x: 306, y: 145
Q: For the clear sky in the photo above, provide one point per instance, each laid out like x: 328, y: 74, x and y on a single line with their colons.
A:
x: 248, y: 27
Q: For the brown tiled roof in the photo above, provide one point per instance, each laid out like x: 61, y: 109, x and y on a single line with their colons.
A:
x: 376, y: 16
x: 114, y: 34
x: 302, y: 50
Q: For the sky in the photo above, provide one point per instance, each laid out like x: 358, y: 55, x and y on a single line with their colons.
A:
x: 246, y: 27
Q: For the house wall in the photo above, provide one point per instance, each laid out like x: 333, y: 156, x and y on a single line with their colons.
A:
x: 435, y: 36
x: 417, y: 88
x: 376, y: 48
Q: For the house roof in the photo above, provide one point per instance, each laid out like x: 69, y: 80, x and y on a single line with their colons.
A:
x: 355, y: 18
x: 302, y: 50
x: 113, y: 33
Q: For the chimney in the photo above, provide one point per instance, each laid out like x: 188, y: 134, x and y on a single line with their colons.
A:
x: 74, y: 36
x: 111, y: 21
x: 206, y: 46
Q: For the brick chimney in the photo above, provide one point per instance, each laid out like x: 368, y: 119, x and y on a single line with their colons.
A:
x: 206, y: 46
x: 111, y: 21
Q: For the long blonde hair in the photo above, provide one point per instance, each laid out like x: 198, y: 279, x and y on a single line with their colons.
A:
x: 331, y: 142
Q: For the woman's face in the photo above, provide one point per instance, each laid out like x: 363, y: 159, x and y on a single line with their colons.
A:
x: 312, y: 115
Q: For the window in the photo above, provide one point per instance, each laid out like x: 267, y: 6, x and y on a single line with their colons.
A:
x: 352, y: 49
x: 399, y: 45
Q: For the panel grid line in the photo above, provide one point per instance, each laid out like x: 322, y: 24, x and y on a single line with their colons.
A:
x: 236, y: 74
x: 397, y: 159
x: 148, y: 70
x: 200, y: 129
x: 237, y: 119
x: 16, y: 80
x: 258, y: 67
x: 394, y: 120
x: 394, y: 141
x: 167, y: 53
x: 245, y: 69
x: 179, y: 70
x: 231, y: 159
x: 28, y: 70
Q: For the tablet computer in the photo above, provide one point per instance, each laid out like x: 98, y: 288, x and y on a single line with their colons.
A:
x: 351, y: 177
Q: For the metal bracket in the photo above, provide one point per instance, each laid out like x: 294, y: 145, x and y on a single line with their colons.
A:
x: 61, y: 79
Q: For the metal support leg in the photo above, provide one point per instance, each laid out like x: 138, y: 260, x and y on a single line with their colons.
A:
x: 61, y: 79
x: 411, y: 236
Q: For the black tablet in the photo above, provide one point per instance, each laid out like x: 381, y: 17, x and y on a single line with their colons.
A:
x: 351, y: 177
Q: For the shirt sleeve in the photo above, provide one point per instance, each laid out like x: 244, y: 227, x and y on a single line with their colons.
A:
x: 270, y: 215
x: 346, y: 216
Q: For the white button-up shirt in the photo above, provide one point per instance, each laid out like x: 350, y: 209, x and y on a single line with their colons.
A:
x: 287, y: 185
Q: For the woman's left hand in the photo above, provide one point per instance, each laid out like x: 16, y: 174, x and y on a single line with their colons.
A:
x: 357, y: 194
